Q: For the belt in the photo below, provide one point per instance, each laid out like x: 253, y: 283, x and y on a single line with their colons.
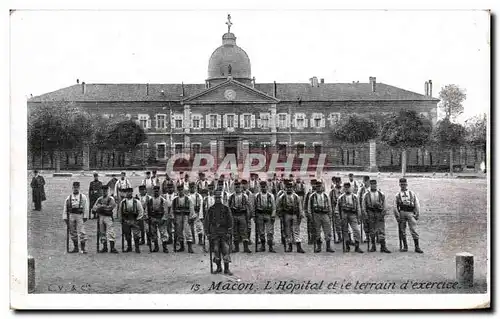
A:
x: 265, y: 212
x: 239, y: 212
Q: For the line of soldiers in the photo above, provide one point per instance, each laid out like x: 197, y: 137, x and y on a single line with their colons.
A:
x: 174, y: 212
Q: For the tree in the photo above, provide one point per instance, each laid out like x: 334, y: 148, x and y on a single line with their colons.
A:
x: 405, y: 130
x: 449, y: 135
x: 476, y: 128
x: 56, y: 126
x: 452, y: 97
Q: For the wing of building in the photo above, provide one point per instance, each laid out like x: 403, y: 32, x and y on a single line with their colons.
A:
x: 231, y: 113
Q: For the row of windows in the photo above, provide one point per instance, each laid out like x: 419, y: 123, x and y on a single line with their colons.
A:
x: 230, y: 120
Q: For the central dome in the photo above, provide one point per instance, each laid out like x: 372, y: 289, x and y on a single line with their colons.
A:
x: 229, y: 60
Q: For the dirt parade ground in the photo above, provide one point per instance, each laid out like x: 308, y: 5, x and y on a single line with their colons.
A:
x: 453, y: 219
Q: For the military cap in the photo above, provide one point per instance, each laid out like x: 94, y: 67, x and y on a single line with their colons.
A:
x: 35, y: 171
x: 347, y: 184
x: 142, y: 187
x: 291, y: 175
x: 334, y: 178
x: 154, y: 172
x: 180, y: 186
x: 373, y: 181
x: 313, y: 181
x: 201, y: 174
x: 319, y: 182
x: 76, y: 184
x: 95, y: 174
x: 123, y: 172
x: 180, y: 173
x: 366, y: 178
x: 263, y: 183
x: 156, y: 187
x: 104, y: 187
x: 244, y: 181
x: 129, y: 190
x: 288, y: 184
x: 220, y: 182
x: 350, y: 174
x: 148, y: 173
x: 403, y: 180
x: 237, y: 183
x: 191, y: 184
x: 170, y: 183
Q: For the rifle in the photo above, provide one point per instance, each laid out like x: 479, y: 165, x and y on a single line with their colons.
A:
x: 175, y: 235
x: 256, y: 235
x: 361, y: 232
x: 98, y: 233
x: 67, y: 234
x: 210, y: 243
x: 282, y: 226
x: 343, y: 230
x: 400, y: 236
x: 313, y: 228
x: 149, y: 234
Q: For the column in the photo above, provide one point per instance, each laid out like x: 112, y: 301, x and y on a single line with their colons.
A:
x: 213, y: 152
x: 187, y: 144
x: 373, y: 156
x: 221, y: 153
x: 187, y: 119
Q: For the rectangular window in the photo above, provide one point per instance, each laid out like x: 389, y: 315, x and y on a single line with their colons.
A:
x: 264, y: 119
x: 300, y: 122
x: 300, y: 149
x: 195, y: 149
x: 160, y: 121
x: 246, y: 120
x: 334, y: 118
x: 144, y: 120
x: 282, y: 149
x: 178, y: 148
x: 317, y: 150
x: 196, y: 123
x: 178, y: 123
x: 160, y: 151
x: 213, y: 121
x: 230, y: 120
x: 317, y: 122
x: 282, y: 120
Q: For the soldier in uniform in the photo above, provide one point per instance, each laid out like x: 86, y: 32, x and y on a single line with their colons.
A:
x: 273, y: 185
x: 355, y: 184
x: 145, y: 199
x: 310, y: 226
x: 365, y: 188
x: 289, y: 208
x: 155, y: 178
x: 335, y: 193
x: 251, y: 203
x: 75, y: 210
x: 121, y: 185
x: 104, y: 207
x: 230, y: 184
x: 38, y: 190
x: 348, y: 211
x: 265, y: 214
x: 184, y: 215
x: 149, y: 183
x: 157, y: 218
x: 95, y: 191
x: 218, y: 226
x: 321, y: 210
x: 224, y: 194
x: 169, y: 197
x: 197, y: 200
x: 300, y: 189
x: 165, y: 183
x: 132, y: 213
x: 374, y: 208
x: 202, y: 185
x: 239, y: 204
x: 253, y: 184
x: 111, y: 185
x: 407, y: 210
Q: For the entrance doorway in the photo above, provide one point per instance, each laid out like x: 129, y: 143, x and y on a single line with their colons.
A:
x: 231, y: 146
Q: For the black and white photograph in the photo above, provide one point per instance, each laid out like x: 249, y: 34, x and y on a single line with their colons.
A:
x: 250, y: 159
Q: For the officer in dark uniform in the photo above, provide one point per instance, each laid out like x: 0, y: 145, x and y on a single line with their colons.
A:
x: 95, y: 191
x: 239, y: 204
x: 310, y: 226
x: 218, y: 227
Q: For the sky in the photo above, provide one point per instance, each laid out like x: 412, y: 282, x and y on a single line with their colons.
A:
x: 51, y: 49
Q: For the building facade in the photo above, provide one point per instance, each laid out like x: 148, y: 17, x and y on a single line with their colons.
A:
x: 232, y: 114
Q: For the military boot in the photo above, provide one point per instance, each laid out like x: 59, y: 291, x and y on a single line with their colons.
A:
x: 318, y: 246
x: 299, y: 248
x: 262, y: 246
x: 75, y: 247
x: 329, y: 248
x: 245, y: 248
x: 156, y: 248
x: 347, y: 246
x: 357, y: 249
x: 405, y: 245
x: 137, y: 250
x: 271, y: 249
x: 190, y: 247
x: 289, y: 250
x: 226, y: 269
x: 236, y: 246
x: 112, y: 248
x: 339, y: 238
x: 200, y: 239
x: 165, y: 248
x: 383, y: 247
x: 104, y: 248
x: 417, y: 247
x: 219, y: 268
x: 82, y: 244
x: 170, y: 241
x: 373, y: 246
x: 181, y: 248
x: 129, y: 246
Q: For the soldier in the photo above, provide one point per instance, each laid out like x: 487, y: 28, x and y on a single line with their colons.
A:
x: 145, y: 199
x: 251, y: 203
x: 95, y: 191
x: 265, y: 214
x: 218, y: 225
x: 131, y: 212
x: 184, y: 215
x: 321, y: 213
x: 165, y: 183
x: 75, y: 210
x: 158, y: 219
x: 149, y: 183
x: 121, y: 185
x: 365, y: 188
x: 273, y: 185
x: 202, y: 185
x: 169, y: 197
x: 240, y: 209
x: 224, y: 194
x: 111, y: 184
x: 197, y: 200
x: 407, y: 210
x: 253, y: 185
x: 355, y: 184
x: 310, y: 226
x: 335, y: 193
x: 38, y: 190
x: 208, y: 201
x: 155, y: 178
x: 374, y: 208
x: 230, y: 184
x: 290, y: 210
x: 104, y: 207
x: 300, y: 189
x: 348, y: 211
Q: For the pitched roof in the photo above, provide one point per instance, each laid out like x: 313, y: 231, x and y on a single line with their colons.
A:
x: 285, y: 92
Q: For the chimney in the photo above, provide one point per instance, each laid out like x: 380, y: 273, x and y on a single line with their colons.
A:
x: 182, y: 85
x: 275, y: 90
x: 430, y: 88
x: 83, y: 88
x: 322, y: 81
x: 77, y: 81
x: 314, y: 81
x: 147, y: 88
x: 373, y: 82
x: 253, y: 82
x: 426, y: 88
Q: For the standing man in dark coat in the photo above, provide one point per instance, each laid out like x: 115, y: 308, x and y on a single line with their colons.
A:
x: 38, y: 190
x: 218, y: 227
x: 95, y: 191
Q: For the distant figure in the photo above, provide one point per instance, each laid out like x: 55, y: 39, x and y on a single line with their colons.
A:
x: 111, y: 184
x: 38, y: 190
x: 483, y: 167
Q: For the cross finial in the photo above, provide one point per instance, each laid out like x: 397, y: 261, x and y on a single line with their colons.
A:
x: 229, y: 23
